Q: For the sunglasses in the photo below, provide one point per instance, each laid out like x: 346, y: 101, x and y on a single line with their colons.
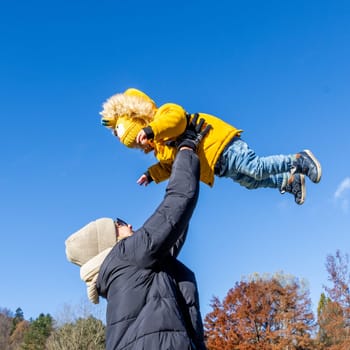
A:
x: 120, y: 222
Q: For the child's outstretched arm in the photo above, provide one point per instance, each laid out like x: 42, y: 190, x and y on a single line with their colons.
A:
x: 169, y: 122
x: 157, y: 172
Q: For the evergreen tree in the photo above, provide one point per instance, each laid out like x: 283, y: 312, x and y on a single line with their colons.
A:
x: 38, y: 332
x: 322, y: 317
x: 18, y: 317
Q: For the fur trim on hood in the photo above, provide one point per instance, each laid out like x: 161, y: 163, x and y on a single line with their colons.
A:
x: 133, y: 104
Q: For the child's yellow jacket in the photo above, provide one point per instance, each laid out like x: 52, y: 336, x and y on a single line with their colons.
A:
x: 169, y: 122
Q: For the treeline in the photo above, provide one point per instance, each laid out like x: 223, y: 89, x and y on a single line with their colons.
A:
x: 275, y: 313
x: 261, y: 312
x: 47, y: 333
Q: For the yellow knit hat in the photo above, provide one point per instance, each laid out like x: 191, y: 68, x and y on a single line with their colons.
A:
x: 127, y: 130
x: 132, y: 103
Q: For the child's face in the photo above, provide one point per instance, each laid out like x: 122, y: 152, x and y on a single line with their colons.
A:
x: 127, y: 129
x: 145, y: 147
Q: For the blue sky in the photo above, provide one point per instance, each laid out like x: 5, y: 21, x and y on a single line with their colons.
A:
x: 279, y: 70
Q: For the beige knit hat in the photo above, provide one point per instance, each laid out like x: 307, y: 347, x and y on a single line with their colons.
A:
x: 88, y: 247
x: 90, y: 240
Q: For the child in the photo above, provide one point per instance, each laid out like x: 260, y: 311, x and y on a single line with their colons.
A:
x: 139, y: 123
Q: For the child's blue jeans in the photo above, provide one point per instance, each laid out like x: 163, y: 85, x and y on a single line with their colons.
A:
x: 242, y: 165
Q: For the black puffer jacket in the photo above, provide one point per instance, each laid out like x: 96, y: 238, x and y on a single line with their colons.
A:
x: 152, y: 299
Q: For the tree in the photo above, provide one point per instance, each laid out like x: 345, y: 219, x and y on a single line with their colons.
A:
x: 17, y: 336
x: 334, y: 308
x: 79, y: 331
x: 5, y: 328
x: 322, y: 318
x: 19, y: 317
x: 12, y: 329
x: 271, y: 313
x: 84, y: 334
x: 38, y: 332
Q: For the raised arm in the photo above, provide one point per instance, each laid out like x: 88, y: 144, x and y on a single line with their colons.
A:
x: 160, y: 232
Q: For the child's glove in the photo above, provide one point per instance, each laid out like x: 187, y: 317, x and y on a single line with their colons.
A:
x: 193, y: 134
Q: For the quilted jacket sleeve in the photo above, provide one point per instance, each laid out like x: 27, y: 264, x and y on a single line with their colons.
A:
x: 161, y: 231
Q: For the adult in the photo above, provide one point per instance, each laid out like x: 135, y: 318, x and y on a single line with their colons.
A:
x: 152, y: 298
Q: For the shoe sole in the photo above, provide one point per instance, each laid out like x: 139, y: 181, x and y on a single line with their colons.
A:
x: 303, y: 190
x: 317, y: 163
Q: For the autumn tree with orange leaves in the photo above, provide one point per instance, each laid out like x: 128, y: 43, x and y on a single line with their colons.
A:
x: 265, y: 313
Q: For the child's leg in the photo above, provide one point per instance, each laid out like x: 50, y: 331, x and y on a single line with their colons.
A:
x: 240, y: 159
x: 284, y: 172
x: 294, y: 185
x: 273, y: 181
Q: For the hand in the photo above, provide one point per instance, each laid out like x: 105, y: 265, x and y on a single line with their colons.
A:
x: 142, y: 180
x: 141, y: 138
x: 145, y: 179
x: 193, y: 134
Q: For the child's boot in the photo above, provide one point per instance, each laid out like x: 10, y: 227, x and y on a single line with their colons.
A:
x: 306, y: 163
x: 296, y: 186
